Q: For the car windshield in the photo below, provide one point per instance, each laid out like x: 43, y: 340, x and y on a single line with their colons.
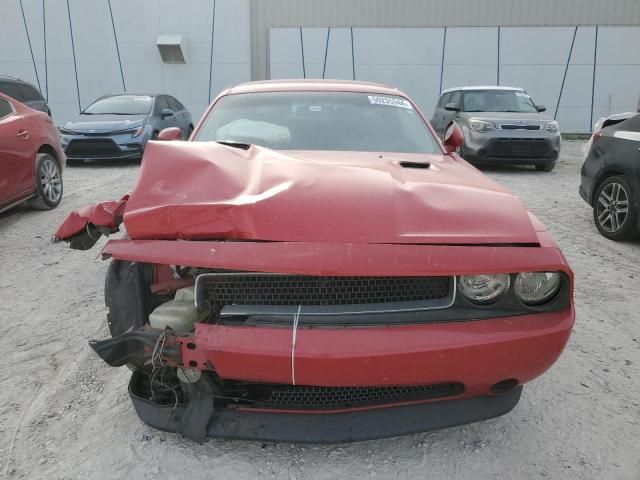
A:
x: 340, y: 121
x: 497, y: 101
x: 121, y: 105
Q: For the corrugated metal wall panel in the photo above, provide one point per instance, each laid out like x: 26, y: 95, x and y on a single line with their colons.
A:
x: 425, y: 13
x: 429, y: 13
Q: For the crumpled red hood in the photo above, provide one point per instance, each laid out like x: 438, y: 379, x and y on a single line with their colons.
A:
x: 191, y: 190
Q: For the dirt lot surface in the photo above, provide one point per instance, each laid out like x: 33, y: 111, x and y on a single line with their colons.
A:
x: 580, y: 420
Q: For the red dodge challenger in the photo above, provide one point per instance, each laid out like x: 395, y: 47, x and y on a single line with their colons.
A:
x: 314, y: 265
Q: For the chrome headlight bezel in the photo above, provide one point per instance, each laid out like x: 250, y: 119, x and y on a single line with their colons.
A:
x: 552, y: 127
x: 478, y: 125
x: 484, y: 289
x: 530, y: 294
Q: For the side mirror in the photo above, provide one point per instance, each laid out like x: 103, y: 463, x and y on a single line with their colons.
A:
x: 452, y: 107
x: 171, y: 133
x: 453, y: 138
x: 541, y: 108
x: 166, y: 112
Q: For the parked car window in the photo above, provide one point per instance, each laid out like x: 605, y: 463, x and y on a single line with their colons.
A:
x: 444, y: 99
x: 120, y: 105
x: 11, y: 89
x: 29, y: 94
x: 162, y: 103
x: 174, y: 104
x: 497, y: 101
x: 5, y: 108
x: 341, y: 121
x: 455, y: 98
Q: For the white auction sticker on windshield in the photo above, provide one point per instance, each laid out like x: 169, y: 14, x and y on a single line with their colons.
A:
x: 389, y: 101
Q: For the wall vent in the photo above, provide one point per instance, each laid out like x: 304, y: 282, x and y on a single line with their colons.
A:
x: 172, y: 48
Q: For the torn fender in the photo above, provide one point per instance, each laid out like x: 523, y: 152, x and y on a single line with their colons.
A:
x: 82, y: 228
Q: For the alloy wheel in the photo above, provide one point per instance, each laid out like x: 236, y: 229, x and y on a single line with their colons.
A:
x: 612, y: 207
x: 50, y: 180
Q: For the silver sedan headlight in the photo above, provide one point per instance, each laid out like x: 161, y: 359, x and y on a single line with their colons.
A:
x: 483, y: 288
x: 536, y: 288
x: 552, y: 127
x: 478, y: 125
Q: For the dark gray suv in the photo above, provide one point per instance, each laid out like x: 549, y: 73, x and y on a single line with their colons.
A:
x: 501, y: 125
x: 23, y: 92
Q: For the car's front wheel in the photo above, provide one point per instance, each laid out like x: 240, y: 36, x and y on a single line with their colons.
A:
x: 48, y: 183
x: 614, y: 209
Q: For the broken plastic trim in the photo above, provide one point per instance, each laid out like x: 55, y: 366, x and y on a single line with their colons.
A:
x: 137, y: 348
x: 88, y: 237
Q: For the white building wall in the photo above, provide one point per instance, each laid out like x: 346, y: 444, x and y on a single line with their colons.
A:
x: 398, y: 43
x: 530, y: 57
x: 137, y: 23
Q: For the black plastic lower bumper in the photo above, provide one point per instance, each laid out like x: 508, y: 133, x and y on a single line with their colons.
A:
x: 341, y: 427
x: 513, y: 151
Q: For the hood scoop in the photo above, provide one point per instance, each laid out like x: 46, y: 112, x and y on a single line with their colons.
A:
x: 418, y: 165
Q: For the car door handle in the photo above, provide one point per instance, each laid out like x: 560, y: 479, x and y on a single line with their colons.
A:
x: 23, y: 134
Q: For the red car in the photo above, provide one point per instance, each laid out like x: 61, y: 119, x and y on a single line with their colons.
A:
x: 313, y: 265
x: 31, y: 158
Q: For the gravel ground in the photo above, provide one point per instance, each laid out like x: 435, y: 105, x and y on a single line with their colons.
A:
x: 580, y: 420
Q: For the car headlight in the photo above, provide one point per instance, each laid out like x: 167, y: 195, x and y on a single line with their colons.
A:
x: 536, y: 288
x: 64, y: 131
x: 481, y: 125
x: 552, y: 127
x: 483, y: 288
x: 137, y: 131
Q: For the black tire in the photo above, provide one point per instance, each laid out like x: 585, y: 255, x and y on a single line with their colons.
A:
x: 547, y: 167
x: 49, y: 185
x: 189, y: 132
x: 615, y: 209
x: 154, y: 135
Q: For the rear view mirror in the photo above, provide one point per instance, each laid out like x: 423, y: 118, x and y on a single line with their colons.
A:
x: 541, y: 108
x: 171, y: 133
x: 453, y: 138
x: 166, y: 112
x: 452, y: 107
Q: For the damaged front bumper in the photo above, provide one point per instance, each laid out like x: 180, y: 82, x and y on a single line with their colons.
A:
x: 484, y: 360
x: 200, y: 419
x: 447, y: 374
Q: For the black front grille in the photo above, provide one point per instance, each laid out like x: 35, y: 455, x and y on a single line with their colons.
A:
x: 519, y: 147
x: 506, y: 126
x: 93, y: 148
x: 266, y: 289
x: 309, y: 398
